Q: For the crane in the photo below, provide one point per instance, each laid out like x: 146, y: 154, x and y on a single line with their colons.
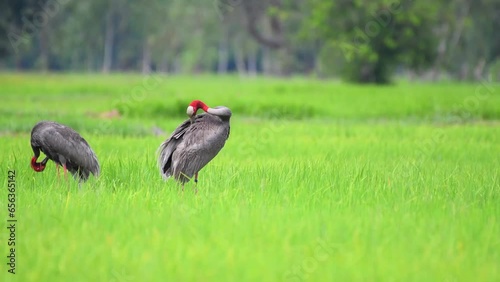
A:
x: 194, y: 143
x: 65, y: 147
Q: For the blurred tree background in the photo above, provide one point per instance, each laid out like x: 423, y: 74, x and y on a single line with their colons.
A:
x: 357, y: 40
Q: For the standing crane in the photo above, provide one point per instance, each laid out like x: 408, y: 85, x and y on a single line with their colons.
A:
x: 194, y: 143
x: 65, y: 147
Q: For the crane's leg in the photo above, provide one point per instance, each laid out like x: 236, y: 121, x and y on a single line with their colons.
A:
x: 57, y: 168
x: 196, y: 183
x: 65, y: 172
x: 66, y: 176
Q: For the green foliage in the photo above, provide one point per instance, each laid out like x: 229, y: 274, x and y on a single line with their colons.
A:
x: 376, y: 37
x: 356, y: 40
x: 371, y: 184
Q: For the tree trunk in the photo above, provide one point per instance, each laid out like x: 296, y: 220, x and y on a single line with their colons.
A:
x: 285, y: 65
x: 266, y: 62
x: 460, y: 19
x: 276, y: 62
x: 441, y: 53
x: 240, y: 61
x: 479, y: 69
x: 108, y: 40
x: 73, y: 63
x: 18, y: 62
x: 177, y: 67
x: 164, y: 64
x: 146, y: 57
x: 223, y: 60
x: 44, y: 50
x: 318, y: 65
x: 252, y: 63
x: 89, y: 60
x: 464, y: 71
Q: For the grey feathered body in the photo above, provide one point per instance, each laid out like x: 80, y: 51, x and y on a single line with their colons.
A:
x: 66, y: 147
x: 192, y: 145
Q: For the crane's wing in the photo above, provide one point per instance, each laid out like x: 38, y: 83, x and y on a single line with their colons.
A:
x: 201, y: 142
x: 168, y: 147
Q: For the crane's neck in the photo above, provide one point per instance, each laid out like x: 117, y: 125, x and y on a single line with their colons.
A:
x: 219, y: 111
x: 197, y: 104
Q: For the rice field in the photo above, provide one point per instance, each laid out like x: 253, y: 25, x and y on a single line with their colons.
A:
x: 318, y: 181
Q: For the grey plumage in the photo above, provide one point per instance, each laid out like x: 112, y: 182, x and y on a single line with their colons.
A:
x: 65, y: 147
x: 193, y: 144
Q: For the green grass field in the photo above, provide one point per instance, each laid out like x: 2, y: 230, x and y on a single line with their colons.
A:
x: 319, y: 181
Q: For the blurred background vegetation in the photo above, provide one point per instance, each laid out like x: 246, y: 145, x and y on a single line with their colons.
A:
x: 355, y: 40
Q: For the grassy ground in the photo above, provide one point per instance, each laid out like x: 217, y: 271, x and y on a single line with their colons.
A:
x: 319, y: 181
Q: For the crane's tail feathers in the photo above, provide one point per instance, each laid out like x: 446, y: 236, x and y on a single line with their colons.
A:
x: 164, y: 152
